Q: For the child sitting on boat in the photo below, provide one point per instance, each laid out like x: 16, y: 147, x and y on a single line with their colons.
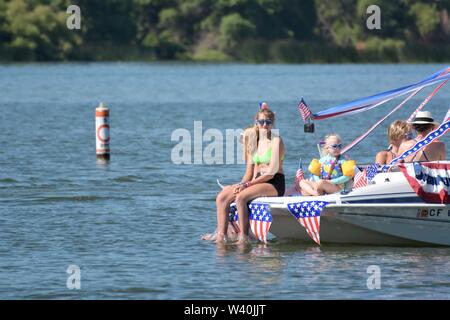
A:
x: 331, y: 172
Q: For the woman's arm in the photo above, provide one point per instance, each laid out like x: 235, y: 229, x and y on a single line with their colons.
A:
x: 381, y: 157
x: 248, y: 171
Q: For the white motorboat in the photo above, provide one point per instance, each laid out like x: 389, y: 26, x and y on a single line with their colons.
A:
x: 385, y: 212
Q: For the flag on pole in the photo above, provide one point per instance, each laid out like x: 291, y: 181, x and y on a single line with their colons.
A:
x: 260, y: 220
x: 308, y: 214
x: 304, y: 110
x: 299, y: 175
x: 362, y: 178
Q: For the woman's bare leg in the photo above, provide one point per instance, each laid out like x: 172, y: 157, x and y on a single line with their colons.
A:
x: 245, y: 196
x: 223, y: 201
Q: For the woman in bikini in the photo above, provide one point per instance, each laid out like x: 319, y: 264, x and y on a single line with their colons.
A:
x: 398, y: 132
x: 264, y: 155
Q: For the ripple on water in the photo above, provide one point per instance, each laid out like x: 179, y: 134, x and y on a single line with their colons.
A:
x: 70, y: 198
x: 8, y: 180
x: 128, y: 178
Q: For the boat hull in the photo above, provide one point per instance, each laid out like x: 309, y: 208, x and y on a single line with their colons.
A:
x: 371, y: 226
x: 387, y: 212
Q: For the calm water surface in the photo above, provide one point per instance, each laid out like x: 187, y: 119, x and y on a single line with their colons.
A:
x: 134, y: 226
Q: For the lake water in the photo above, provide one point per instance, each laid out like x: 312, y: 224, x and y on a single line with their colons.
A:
x: 133, y: 227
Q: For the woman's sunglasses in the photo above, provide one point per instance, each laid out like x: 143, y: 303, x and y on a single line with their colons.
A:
x: 336, y: 146
x: 264, y: 122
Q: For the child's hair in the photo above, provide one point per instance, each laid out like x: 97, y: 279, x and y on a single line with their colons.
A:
x: 324, y: 141
x: 398, y: 130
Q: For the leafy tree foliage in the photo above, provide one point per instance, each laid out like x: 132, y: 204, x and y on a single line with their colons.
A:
x: 248, y: 30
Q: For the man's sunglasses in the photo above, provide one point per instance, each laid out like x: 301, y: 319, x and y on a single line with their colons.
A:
x: 336, y: 146
x: 264, y: 122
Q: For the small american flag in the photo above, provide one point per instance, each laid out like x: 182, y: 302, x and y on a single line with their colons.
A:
x: 299, y: 176
x: 260, y: 220
x: 362, y: 178
x: 308, y: 214
x: 304, y: 110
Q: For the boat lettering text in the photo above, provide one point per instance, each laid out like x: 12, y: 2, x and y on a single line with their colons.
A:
x: 425, y: 213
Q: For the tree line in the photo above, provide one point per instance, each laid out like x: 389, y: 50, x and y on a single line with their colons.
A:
x: 292, y: 31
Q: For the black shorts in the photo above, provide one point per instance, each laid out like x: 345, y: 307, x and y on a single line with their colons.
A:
x: 278, y: 182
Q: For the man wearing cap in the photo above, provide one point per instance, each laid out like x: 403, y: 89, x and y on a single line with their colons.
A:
x: 423, y: 124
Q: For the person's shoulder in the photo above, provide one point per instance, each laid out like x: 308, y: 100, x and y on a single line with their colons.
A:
x: 406, y: 145
x: 382, y: 153
x: 277, y: 139
x: 437, y: 145
x: 408, y: 142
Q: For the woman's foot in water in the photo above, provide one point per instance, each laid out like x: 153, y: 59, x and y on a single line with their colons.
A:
x: 209, y: 237
x: 242, y: 239
x: 220, y: 237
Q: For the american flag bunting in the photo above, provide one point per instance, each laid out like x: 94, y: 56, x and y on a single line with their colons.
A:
x: 308, y: 214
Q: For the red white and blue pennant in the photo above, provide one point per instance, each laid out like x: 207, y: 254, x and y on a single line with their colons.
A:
x: 260, y: 220
x: 431, y: 181
x: 308, y: 214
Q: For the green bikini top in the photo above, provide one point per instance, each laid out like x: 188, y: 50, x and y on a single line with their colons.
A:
x: 264, y: 158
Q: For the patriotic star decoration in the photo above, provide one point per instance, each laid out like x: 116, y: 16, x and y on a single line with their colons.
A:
x: 260, y: 212
x: 306, y: 209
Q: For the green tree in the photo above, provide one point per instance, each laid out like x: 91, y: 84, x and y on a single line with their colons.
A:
x: 39, y: 32
x: 394, y: 19
x: 107, y: 21
x: 336, y: 21
x: 234, y: 29
x: 426, y: 19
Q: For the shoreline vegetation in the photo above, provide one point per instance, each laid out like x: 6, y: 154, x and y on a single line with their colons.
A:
x: 248, y: 31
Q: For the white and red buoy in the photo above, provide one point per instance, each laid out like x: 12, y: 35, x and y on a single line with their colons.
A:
x: 102, y: 134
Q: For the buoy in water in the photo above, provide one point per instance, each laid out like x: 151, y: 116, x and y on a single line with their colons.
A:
x: 102, y: 134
